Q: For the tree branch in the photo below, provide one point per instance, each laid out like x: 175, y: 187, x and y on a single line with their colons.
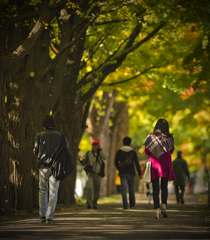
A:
x: 85, y: 116
x: 116, y: 8
x: 9, y: 60
x: 85, y: 80
x: 27, y: 16
x: 129, y: 79
x: 62, y: 50
x: 120, y: 20
x: 97, y: 44
x: 105, y: 69
x: 146, y: 38
x: 130, y: 39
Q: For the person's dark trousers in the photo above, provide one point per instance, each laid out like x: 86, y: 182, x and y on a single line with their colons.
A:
x: 118, y: 188
x: 127, y: 180
x: 180, y: 196
x: 156, y: 191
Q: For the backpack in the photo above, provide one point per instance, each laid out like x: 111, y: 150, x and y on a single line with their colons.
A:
x: 126, y: 163
x: 61, y: 161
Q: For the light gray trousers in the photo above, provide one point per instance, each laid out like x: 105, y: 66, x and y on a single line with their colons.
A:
x: 47, y: 183
x: 93, y: 186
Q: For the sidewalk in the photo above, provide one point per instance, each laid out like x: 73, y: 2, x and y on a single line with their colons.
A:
x: 110, y: 221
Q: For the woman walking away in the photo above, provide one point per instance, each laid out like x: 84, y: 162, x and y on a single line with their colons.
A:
x: 159, y: 146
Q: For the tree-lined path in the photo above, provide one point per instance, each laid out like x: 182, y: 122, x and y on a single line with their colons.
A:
x: 110, y: 221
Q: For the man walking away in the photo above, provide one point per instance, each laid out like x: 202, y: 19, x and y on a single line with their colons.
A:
x: 127, y: 171
x: 45, y: 144
x: 181, y: 171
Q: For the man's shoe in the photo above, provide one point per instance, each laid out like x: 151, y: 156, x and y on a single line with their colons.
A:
x: 49, y: 221
x: 88, y: 206
x: 94, y: 207
x: 125, y: 207
x: 43, y: 219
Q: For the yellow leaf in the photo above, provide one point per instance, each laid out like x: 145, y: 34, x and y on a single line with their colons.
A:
x: 88, y: 68
x: 31, y: 74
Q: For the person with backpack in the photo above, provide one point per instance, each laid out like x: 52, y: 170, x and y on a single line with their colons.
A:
x: 125, y: 159
x: 94, y: 167
x: 159, y: 145
x: 45, y: 146
x: 181, y: 170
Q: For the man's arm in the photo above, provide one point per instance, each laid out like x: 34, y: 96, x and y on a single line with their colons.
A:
x: 137, y: 164
x: 187, y: 171
x: 36, y: 145
x: 116, y: 160
x: 83, y: 161
x: 103, y: 155
x: 66, y: 142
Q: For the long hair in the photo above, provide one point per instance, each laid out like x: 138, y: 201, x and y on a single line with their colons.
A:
x: 162, y: 127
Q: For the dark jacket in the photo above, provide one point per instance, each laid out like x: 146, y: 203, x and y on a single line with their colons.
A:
x: 121, y: 155
x: 45, y: 144
x: 181, y: 171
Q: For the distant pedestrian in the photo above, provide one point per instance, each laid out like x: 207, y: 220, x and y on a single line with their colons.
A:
x: 182, y: 173
x: 127, y: 173
x: 45, y: 144
x: 117, y: 181
x: 92, y: 161
x: 149, y: 191
x: 159, y: 146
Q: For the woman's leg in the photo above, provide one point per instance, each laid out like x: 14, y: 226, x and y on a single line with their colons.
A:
x: 164, y: 195
x: 156, y: 191
x: 164, y: 190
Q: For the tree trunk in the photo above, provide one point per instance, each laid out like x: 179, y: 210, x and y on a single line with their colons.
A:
x: 69, y: 114
x: 5, y: 196
x: 119, y: 130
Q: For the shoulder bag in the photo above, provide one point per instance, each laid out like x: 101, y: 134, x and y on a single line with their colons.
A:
x: 147, y: 172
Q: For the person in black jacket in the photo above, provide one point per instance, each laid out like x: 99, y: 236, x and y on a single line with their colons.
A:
x: 45, y: 144
x: 181, y: 170
x: 127, y: 173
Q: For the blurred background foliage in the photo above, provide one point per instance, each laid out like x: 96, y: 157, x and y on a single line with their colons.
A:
x: 166, y: 78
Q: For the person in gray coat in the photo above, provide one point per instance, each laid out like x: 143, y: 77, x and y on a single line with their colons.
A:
x: 181, y: 171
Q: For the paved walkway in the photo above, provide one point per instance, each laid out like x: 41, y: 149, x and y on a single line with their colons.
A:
x: 110, y: 221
